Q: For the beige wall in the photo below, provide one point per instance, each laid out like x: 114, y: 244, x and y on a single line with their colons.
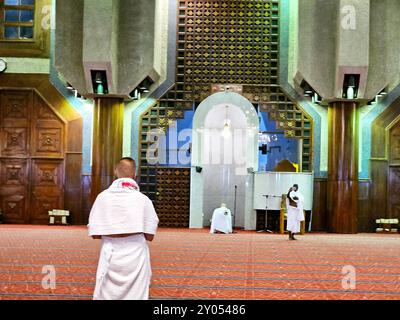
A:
x: 329, y: 47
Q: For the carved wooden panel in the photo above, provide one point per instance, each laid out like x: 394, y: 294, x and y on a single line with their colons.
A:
x: 41, y: 205
x: 14, y: 208
x: 173, y: 197
x: 47, y: 188
x: 14, y: 173
x: 47, y: 173
x: 44, y: 112
x: 48, y: 131
x: 15, y: 105
x: 48, y: 140
x: 14, y: 142
x: 394, y: 192
x: 14, y: 189
x: 14, y: 123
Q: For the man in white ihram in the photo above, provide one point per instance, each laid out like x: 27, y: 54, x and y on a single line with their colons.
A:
x: 295, y: 211
x: 124, y: 219
x: 221, y: 220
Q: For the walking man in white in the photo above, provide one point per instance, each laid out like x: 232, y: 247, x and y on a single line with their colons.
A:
x: 124, y: 219
x: 295, y: 211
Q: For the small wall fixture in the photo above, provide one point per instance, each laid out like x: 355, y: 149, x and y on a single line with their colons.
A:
x: 308, y: 92
x: 99, y: 81
x: 350, y: 86
x: 381, y: 95
x: 142, y: 89
x: 145, y: 86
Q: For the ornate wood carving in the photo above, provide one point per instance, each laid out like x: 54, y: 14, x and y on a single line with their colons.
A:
x: 14, y: 173
x: 49, y: 141
x: 14, y: 142
x: 16, y: 105
x: 14, y: 208
x: 41, y: 205
x: 48, y: 131
x: 47, y: 173
x: 14, y: 183
x: 14, y: 117
x: 44, y: 113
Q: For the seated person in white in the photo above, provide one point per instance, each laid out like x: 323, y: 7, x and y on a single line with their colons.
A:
x: 221, y: 220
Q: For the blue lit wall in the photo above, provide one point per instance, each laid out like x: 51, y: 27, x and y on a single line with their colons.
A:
x: 172, y: 147
x: 281, y: 149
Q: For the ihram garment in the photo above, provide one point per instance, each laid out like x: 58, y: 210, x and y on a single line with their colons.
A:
x: 221, y: 221
x: 124, y: 270
x: 295, y: 214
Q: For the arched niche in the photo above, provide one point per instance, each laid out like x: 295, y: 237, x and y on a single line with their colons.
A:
x: 221, y: 161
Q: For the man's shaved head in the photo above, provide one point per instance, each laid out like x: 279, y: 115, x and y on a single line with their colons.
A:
x: 126, y: 168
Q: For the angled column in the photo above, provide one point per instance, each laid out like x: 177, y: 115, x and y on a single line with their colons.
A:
x: 124, y: 39
x: 342, y: 199
x: 107, y: 142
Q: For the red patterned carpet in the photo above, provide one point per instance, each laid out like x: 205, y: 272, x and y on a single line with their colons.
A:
x: 196, y: 265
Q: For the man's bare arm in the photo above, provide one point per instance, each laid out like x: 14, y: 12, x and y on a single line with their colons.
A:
x: 149, y: 237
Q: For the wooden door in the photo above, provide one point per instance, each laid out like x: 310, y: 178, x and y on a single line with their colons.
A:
x: 31, y: 158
